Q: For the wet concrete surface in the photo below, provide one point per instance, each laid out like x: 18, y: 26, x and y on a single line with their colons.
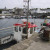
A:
x: 23, y: 44
x: 32, y: 43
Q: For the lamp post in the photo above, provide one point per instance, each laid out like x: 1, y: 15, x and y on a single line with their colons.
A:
x: 27, y: 14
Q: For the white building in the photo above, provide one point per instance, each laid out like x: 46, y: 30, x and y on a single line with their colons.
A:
x: 5, y: 12
x: 8, y: 11
x: 33, y: 11
x: 39, y: 10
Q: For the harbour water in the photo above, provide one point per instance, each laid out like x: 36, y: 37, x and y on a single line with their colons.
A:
x: 9, y: 22
x: 4, y: 23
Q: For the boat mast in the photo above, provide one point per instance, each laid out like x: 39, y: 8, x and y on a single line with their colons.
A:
x: 27, y: 14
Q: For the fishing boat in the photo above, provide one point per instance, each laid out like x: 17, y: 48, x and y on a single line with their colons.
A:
x: 19, y: 32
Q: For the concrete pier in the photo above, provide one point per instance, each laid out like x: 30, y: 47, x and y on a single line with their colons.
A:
x: 33, y: 43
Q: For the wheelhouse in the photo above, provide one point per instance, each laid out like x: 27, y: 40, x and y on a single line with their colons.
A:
x: 22, y: 29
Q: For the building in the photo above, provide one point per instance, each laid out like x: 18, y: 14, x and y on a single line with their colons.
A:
x: 39, y: 10
x: 7, y: 11
x: 18, y: 11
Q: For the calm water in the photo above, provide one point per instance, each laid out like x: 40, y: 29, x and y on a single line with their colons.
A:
x: 9, y: 23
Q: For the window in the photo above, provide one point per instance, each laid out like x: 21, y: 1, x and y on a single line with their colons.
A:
x: 24, y: 30
x: 19, y: 28
x: 31, y: 30
x: 16, y: 28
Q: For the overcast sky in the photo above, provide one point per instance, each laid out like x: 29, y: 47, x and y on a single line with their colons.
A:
x: 19, y: 3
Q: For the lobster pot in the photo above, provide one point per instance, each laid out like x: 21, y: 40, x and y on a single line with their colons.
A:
x: 46, y: 34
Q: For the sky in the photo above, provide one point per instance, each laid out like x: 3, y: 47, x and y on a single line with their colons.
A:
x: 20, y: 3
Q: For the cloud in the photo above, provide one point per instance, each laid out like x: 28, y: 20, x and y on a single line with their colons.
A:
x: 40, y: 3
x: 19, y: 3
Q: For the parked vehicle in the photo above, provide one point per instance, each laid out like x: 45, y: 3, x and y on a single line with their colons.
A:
x: 16, y: 17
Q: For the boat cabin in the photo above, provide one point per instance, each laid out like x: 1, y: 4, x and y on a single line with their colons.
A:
x: 21, y: 30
